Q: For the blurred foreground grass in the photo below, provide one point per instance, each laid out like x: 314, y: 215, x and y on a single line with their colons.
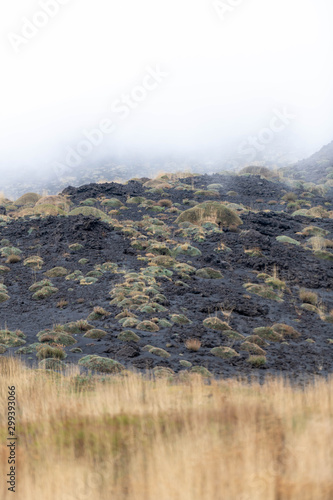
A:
x: 132, y: 437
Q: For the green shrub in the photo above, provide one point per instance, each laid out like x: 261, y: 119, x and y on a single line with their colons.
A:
x: 52, y: 364
x: 27, y: 199
x: 215, y: 323
x: 257, y: 361
x: 180, y: 319
x: 75, y: 247
x: 56, y: 272
x: 286, y: 239
x: 76, y: 350
x: 210, y: 211
x: 147, y: 326
x: 93, y: 211
x: 258, y: 170
x: 186, y: 249
x: 286, y: 330
x: 263, y: 291
x: 136, y: 200
x: 39, y: 285
x: 208, y: 273
x: 131, y: 322
x: 308, y: 297
x: 12, y: 338
x: 201, y: 370
x: 268, y: 333
x: 57, y: 338
x: 7, y: 251
x: 44, y: 293
x: 112, y: 202
x: 128, y: 336
x: 224, y: 352
x: 89, y: 202
x: 47, y: 351
x: 88, y: 280
x: 324, y: 255
x: 98, y: 313
x: 185, y: 363
x: 252, y: 348
x: 3, y: 297
x: 255, y: 339
x: 275, y: 283
x: 79, y: 326
x: 314, y: 231
x: 97, y: 363
x: 232, y: 335
x: 159, y: 352
x: 34, y: 261
x: 95, y: 334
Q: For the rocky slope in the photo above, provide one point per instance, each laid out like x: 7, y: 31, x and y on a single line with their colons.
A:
x: 230, y: 274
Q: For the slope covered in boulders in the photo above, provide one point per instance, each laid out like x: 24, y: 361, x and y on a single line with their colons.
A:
x: 217, y: 274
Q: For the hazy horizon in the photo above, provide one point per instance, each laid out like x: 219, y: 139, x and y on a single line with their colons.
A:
x: 83, y: 83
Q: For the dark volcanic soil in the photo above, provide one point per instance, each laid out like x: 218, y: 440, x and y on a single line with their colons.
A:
x: 296, y: 266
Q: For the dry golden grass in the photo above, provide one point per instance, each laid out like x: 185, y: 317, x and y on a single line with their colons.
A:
x: 131, y: 438
x: 308, y: 297
x: 13, y: 259
x: 318, y: 243
x: 193, y: 344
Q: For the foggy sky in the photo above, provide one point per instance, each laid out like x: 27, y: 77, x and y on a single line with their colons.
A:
x: 205, y: 77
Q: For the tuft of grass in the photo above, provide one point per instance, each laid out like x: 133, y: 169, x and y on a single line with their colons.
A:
x: 162, y: 353
x: 286, y: 330
x: 208, y: 273
x: 98, y: 313
x: 100, y: 364
x: 35, y: 261
x: 56, y: 272
x: 257, y: 361
x: 193, y: 344
x: 75, y: 247
x: 8, y: 251
x: 224, y: 352
x: 268, y: 333
x: 128, y: 336
x: 308, y: 297
x: 264, y: 291
x: 93, y: 211
x: 287, y: 239
x: 12, y: 338
x: 44, y: 292
x: 210, y: 211
x: 252, y: 348
x: 13, y: 259
x: 28, y: 199
x: 62, y: 304
x: 78, y: 326
x: 54, y: 337
x: 180, y: 319
x: 109, y: 431
x: 215, y: 323
x: 255, y: 339
x: 95, y: 334
x: 47, y: 351
x: 147, y: 326
x: 165, y: 203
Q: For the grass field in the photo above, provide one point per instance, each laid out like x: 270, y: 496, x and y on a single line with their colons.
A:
x: 130, y: 437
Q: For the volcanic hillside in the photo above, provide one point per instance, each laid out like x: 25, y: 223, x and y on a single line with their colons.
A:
x: 222, y: 275
x: 318, y: 168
